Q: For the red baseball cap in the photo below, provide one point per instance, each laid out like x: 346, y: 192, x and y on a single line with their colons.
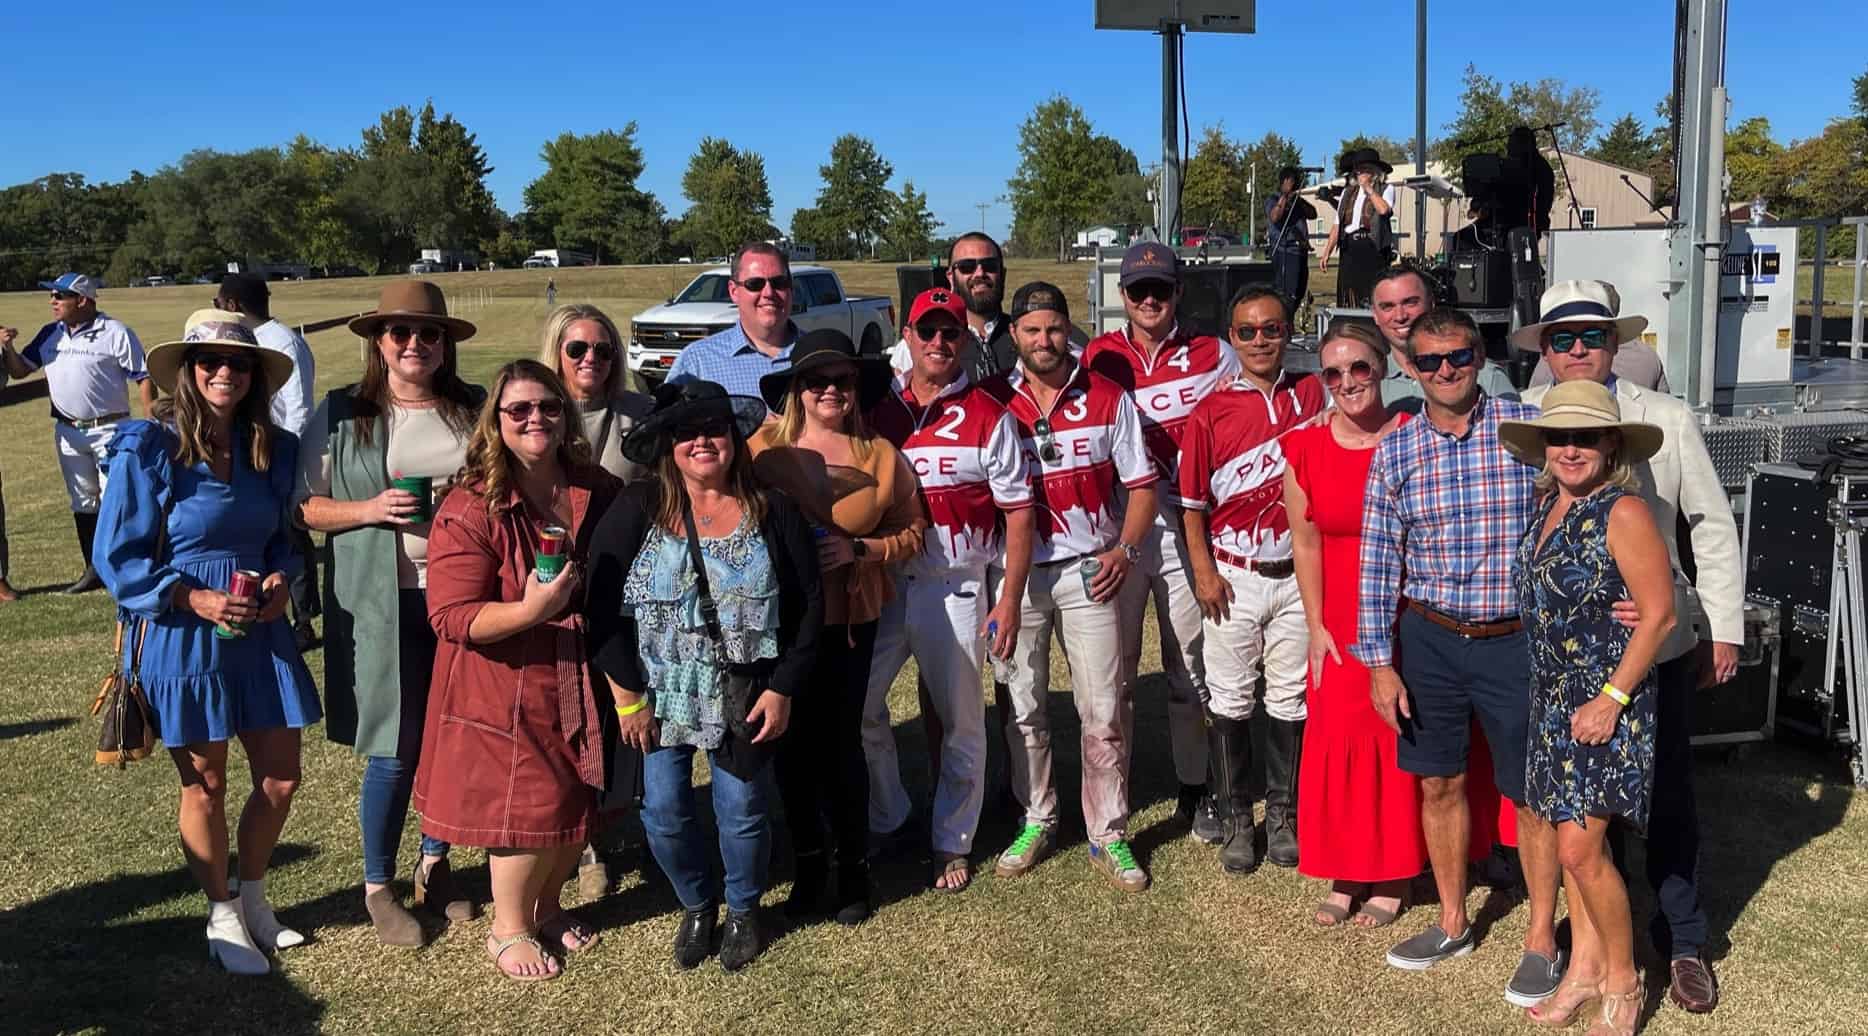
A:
x: 938, y: 300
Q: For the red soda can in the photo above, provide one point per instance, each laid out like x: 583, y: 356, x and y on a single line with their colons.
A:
x: 243, y: 583
x: 550, y: 560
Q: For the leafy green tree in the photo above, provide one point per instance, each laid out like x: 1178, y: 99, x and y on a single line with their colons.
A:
x: 1069, y: 177
x: 731, y: 201
x: 1827, y: 175
x: 1755, y: 162
x: 1625, y: 143
x: 1860, y: 95
x: 419, y: 181
x: 1489, y: 110
x: 587, y: 198
x: 810, y: 226
x: 59, y: 222
x: 909, y: 233
x: 315, y: 176
x: 1394, y: 149
x: 854, y: 204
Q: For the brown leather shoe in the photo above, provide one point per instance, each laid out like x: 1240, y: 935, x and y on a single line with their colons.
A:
x: 1694, y: 988
x: 395, y: 926
x: 436, y: 892
x: 7, y: 593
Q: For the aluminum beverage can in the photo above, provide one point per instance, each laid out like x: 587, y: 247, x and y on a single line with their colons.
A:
x: 550, y: 560
x: 243, y: 583
x: 1088, y: 568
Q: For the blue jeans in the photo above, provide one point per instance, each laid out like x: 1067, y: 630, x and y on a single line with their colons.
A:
x: 383, y: 810
x: 680, y: 844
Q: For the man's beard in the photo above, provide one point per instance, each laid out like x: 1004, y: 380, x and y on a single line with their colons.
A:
x: 986, y: 306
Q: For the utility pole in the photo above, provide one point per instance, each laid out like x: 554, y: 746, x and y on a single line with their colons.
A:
x: 982, y: 206
x: 1167, y: 208
x: 1420, y: 125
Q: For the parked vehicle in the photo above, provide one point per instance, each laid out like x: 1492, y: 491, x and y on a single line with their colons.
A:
x: 658, y: 334
x: 158, y: 281
x: 539, y: 262
x: 424, y: 266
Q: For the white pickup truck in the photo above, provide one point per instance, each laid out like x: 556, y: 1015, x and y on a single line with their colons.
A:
x: 658, y: 334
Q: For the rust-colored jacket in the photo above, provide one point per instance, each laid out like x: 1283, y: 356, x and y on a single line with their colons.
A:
x: 876, y: 500
x: 512, y: 750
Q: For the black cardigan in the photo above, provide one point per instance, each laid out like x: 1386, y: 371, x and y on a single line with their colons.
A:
x: 613, y: 549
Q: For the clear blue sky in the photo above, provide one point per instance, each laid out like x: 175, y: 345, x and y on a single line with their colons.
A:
x: 107, y: 87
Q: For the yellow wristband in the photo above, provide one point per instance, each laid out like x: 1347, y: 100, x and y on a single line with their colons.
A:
x: 1616, y: 695
x: 630, y: 710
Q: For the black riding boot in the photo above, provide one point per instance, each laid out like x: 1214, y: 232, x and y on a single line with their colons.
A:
x: 1232, y: 768
x: 87, y: 534
x: 1284, y: 746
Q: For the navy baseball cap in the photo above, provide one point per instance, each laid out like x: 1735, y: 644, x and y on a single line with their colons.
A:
x: 1149, y: 261
x: 73, y: 284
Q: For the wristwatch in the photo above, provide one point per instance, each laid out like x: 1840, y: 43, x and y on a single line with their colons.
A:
x: 859, y: 548
x: 1132, y: 552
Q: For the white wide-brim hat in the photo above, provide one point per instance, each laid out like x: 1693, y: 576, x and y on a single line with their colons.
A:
x: 1578, y: 302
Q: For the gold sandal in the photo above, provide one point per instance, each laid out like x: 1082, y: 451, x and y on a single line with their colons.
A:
x: 1613, y: 1006
x: 1564, y: 1006
x: 497, y: 946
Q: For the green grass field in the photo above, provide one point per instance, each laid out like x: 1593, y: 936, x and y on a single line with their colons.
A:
x: 101, y: 927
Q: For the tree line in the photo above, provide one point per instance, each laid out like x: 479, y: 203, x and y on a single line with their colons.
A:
x: 416, y: 179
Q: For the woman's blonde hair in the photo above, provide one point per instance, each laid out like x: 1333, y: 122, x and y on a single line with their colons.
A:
x: 489, y: 463
x: 1619, y: 472
x: 189, y: 414
x: 791, y: 421
x: 622, y: 379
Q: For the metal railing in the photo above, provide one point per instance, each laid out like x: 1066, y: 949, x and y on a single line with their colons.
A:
x: 1817, y: 298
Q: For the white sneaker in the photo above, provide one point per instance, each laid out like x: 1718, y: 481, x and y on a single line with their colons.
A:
x: 268, y: 934
x: 228, y: 942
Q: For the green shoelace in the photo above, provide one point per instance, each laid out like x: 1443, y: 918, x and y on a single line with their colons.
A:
x: 1120, y: 852
x: 1027, y: 838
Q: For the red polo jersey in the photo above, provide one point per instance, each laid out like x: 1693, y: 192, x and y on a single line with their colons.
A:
x: 1231, y: 464
x: 1166, y: 388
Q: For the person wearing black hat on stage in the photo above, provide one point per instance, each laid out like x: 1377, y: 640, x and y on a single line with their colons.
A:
x: 1364, y: 221
x: 292, y: 404
x: 675, y: 650
x: 861, y: 495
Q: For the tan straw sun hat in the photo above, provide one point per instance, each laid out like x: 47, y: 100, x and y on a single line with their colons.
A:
x: 1579, y: 404
x: 216, y: 327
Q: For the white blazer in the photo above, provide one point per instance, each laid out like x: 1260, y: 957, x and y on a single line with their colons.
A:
x: 1681, y: 481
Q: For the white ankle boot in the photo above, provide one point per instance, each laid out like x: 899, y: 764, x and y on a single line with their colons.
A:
x: 228, y: 943
x: 268, y: 934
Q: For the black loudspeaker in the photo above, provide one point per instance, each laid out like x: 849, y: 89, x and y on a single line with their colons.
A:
x: 1206, y: 288
x: 1482, y: 278
x: 913, y: 280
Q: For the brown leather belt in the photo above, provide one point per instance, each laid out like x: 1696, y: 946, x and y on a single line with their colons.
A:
x: 1469, y: 630
x: 1283, y: 568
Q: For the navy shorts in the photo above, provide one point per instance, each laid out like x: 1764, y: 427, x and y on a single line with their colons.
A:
x: 1450, y: 678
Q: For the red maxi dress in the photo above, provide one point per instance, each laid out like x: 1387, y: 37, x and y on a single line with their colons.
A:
x: 1358, y: 813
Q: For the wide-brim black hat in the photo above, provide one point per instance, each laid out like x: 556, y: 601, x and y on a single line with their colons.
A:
x: 822, y: 348
x: 686, y: 401
x: 1361, y: 155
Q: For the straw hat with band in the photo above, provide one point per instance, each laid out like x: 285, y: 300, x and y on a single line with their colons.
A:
x: 223, y: 330
x: 822, y: 348
x: 683, y: 403
x: 1579, y: 405
x: 411, y: 300
x: 1578, y: 302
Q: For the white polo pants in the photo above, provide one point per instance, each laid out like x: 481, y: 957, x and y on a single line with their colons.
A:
x: 1056, y: 600
x: 935, y: 619
x: 1266, y: 626
x: 81, y: 459
x: 1162, y: 576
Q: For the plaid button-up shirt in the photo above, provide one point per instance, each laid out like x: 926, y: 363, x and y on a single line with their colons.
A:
x: 1441, y: 520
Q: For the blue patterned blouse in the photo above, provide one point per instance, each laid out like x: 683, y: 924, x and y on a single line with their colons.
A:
x: 684, y: 669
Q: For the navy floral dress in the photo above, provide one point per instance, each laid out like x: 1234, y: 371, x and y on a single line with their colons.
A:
x: 1566, y: 590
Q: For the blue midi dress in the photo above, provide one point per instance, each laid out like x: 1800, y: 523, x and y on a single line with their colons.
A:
x: 202, y: 688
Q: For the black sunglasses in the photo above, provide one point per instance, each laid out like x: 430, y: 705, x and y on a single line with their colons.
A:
x: 1361, y: 370
x: 1587, y: 438
x: 782, y: 282
x: 549, y: 409
x: 819, y: 382
x: 708, y: 428
x: 967, y: 266
x: 1248, y: 332
x: 1592, y: 339
x: 576, y: 349
x: 239, y: 363
x: 1160, y: 291
x: 945, y: 332
x: 65, y: 296
x: 1048, y: 448
x: 427, y: 334
x: 1459, y: 358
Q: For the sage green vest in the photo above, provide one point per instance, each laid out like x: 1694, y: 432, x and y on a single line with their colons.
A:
x: 364, y: 704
